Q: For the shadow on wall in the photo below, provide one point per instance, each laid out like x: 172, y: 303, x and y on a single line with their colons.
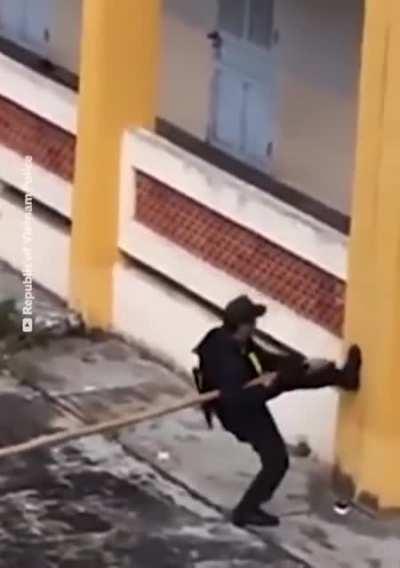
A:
x: 335, y: 29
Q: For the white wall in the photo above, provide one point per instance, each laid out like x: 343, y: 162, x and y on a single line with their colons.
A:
x: 317, y: 83
x: 56, y: 104
x: 52, y: 102
x: 50, y: 263
x: 41, y: 96
x: 46, y: 187
x: 62, y: 18
x: 187, y: 63
x: 66, y: 34
x: 318, y: 59
x: 232, y: 198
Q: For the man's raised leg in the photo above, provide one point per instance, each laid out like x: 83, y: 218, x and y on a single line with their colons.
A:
x: 293, y: 377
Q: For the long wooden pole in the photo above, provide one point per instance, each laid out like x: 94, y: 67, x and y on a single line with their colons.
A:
x: 59, y: 438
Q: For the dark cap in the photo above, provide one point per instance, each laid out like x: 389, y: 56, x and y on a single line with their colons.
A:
x: 242, y: 310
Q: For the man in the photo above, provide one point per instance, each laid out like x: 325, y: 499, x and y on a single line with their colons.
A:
x: 229, y: 358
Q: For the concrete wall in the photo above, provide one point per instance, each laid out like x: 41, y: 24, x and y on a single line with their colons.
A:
x: 318, y: 74
x: 187, y: 63
x: 52, y: 274
x: 317, y: 83
x: 56, y: 104
x: 66, y: 34
x: 62, y: 18
x: 38, y: 94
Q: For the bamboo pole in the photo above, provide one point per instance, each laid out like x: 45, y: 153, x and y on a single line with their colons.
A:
x: 59, y: 438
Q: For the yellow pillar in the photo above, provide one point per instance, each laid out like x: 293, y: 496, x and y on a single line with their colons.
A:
x: 120, y: 50
x: 369, y: 424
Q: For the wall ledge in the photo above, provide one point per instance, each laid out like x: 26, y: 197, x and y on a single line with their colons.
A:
x: 232, y: 198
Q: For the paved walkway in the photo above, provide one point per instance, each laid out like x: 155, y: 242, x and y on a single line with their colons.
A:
x: 104, y: 378
x: 90, y: 504
x: 93, y: 504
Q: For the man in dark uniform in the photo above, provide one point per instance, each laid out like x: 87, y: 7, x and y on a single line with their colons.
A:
x: 230, y: 358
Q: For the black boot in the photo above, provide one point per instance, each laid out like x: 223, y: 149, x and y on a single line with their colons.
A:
x: 349, y: 378
x: 255, y: 518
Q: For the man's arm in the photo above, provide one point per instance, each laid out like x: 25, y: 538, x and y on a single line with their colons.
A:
x: 228, y: 373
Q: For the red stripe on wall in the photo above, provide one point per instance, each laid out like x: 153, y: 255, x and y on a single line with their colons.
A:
x: 306, y: 289
x: 30, y: 135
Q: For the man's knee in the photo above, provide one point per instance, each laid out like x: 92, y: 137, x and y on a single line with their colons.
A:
x: 275, y: 469
x: 274, y: 456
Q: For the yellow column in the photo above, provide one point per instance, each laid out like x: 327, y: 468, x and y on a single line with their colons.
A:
x: 120, y: 51
x: 369, y: 425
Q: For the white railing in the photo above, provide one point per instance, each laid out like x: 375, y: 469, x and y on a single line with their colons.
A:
x: 236, y: 200
x: 52, y: 102
x: 38, y: 94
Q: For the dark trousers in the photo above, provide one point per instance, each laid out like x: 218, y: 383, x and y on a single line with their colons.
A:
x: 267, y: 441
x: 271, y: 449
x: 306, y: 378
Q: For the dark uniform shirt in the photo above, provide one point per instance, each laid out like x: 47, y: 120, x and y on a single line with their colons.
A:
x: 228, y: 366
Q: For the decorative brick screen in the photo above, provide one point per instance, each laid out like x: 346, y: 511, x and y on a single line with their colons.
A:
x: 30, y: 135
x: 299, y: 285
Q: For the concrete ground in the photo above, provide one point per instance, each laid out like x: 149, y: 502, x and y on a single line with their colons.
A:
x: 90, y: 504
x: 192, y: 476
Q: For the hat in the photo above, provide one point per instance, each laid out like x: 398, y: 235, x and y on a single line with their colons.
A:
x: 243, y: 310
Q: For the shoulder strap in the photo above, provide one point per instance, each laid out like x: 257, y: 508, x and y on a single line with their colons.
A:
x: 207, y: 408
